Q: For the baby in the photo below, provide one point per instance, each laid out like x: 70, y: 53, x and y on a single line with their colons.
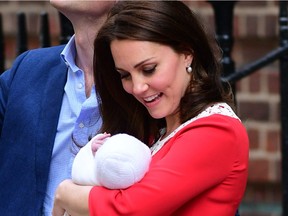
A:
x: 115, y: 162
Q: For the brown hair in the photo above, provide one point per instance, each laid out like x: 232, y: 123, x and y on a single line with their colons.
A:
x: 169, y: 23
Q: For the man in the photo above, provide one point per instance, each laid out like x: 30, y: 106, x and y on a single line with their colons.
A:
x: 41, y: 97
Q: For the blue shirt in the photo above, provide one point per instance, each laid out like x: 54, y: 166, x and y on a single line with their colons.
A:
x: 78, y: 116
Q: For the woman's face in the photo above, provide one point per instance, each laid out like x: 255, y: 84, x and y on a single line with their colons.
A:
x: 153, y: 73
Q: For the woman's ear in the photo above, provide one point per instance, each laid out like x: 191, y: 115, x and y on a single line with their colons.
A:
x: 188, y: 58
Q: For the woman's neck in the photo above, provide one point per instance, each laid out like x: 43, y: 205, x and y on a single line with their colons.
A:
x: 172, y: 123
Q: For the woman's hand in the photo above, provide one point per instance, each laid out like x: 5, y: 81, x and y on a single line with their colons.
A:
x: 71, y: 198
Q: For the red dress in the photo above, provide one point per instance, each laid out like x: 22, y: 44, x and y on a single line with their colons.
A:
x: 201, y: 171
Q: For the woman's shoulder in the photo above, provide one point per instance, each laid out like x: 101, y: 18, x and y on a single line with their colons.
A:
x: 216, y: 120
x: 217, y: 113
x: 218, y: 108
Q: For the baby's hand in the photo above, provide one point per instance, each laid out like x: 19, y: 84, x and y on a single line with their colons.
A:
x: 98, y: 141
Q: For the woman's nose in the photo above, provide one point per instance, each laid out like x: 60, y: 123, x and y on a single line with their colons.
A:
x: 139, y: 85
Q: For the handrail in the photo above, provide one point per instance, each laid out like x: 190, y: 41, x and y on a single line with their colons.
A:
x: 257, y: 64
x: 283, y: 32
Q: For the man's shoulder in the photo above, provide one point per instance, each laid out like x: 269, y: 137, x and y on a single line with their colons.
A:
x: 47, y: 51
x: 57, y: 48
x: 35, y: 60
x: 40, y: 57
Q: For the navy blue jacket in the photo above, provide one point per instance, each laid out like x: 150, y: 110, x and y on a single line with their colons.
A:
x: 30, y: 101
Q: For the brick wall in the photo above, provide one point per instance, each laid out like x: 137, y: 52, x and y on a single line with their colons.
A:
x: 256, y: 33
x: 32, y: 10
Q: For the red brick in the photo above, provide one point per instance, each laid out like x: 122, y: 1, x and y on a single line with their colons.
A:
x: 239, y: 86
x: 278, y: 116
x: 262, y: 192
x: 252, y: 48
x: 201, y: 4
x: 253, y: 135
x: 10, y: 47
x: 254, y: 110
x: 254, y: 82
x: 236, y: 26
x: 273, y: 141
x: 271, y: 24
x: 258, y: 170
x: 252, y: 25
x: 277, y: 169
x: 256, y: 4
x: 273, y: 82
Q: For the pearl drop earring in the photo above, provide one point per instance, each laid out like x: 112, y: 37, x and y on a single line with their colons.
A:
x: 189, y: 69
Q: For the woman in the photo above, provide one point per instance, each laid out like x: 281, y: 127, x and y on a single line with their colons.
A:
x: 159, y: 80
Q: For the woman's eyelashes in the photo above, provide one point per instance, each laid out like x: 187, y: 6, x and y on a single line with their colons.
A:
x: 149, y: 69
x: 124, y: 75
x: 146, y: 70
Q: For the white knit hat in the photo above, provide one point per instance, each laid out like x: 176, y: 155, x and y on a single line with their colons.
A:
x: 119, y: 163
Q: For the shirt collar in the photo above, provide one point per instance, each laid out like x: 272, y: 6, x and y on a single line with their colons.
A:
x: 68, y: 55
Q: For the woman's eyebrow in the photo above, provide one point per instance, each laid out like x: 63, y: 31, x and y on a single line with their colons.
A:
x: 142, y: 62
x: 135, y: 66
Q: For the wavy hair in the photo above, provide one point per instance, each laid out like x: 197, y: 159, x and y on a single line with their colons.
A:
x: 169, y: 23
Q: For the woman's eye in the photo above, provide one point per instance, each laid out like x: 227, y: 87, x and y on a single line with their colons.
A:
x: 124, y: 75
x: 149, y: 69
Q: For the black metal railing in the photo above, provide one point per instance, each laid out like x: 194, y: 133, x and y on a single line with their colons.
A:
x: 283, y: 28
x: 44, y: 34
x: 223, y: 13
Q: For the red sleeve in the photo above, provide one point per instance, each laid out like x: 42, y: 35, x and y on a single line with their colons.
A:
x: 206, y: 153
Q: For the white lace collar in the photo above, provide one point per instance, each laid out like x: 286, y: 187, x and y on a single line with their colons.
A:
x: 219, y: 108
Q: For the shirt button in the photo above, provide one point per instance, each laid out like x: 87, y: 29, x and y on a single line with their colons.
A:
x: 80, y: 85
x: 81, y: 125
